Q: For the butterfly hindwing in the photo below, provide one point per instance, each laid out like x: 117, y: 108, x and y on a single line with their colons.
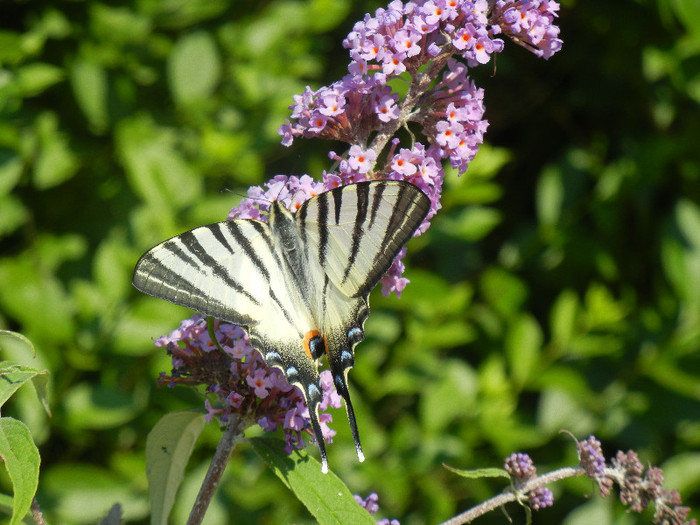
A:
x: 351, y: 236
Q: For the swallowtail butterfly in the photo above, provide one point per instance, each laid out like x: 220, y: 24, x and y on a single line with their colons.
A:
x: 299, y: 284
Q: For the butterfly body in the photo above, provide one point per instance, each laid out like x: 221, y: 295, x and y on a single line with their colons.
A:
x: 299, y: 284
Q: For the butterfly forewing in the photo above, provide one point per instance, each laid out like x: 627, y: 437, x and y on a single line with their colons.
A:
x: 356, y: 231
x: 210, y: 269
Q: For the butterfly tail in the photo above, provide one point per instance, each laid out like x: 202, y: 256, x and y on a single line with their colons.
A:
x: 318, y: 435
x: 341, y: 385
x: 313, y: 395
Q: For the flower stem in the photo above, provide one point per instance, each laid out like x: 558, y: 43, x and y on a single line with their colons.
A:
x: 216, y: 470
x: 510, y: 495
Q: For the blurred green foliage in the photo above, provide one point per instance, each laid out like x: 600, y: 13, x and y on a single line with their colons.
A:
x: 559, y: 287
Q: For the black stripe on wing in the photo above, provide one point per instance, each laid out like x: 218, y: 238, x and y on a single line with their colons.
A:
x: 410, y: 208
x: 358, y: 230
x: 234, y: 228
x: 189, y: 240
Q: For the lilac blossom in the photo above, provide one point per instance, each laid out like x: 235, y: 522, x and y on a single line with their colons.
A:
x: 239, y: 382
x: 371, y: 505
x: 541, y: 498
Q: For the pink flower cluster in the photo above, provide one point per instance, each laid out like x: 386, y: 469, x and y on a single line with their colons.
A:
x: 241, y: 381
x: 529, y: 23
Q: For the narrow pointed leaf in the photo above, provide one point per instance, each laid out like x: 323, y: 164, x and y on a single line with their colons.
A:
x: 479, y: 473
x: 168, y: 448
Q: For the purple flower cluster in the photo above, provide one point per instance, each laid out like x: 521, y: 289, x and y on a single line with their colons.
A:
x: 405, y: 36
x: 541, y: 498
x: 592, y: 460
x: 638, y: 490
x: 370, y: 505
x: 241, y: 381
x: 522, y: 469
x: 452, y: 116
x: 520, y: 466
x: 529, y: 23
x: 347, y: 110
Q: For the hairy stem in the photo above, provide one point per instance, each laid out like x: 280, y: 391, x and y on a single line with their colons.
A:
x: 511, y: 495
x: 37, y: 514
x: 216, y: 470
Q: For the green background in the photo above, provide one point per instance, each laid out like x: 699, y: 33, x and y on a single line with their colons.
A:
x: 559, y: 287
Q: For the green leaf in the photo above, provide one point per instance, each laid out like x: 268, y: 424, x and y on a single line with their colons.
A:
x: 597, y: 511
x: 156, y: 170
x: 13, y: 376
x: 11, y: 49
x: 550, y: 197
x: 6, y: 503
x: 471, y: 224
x: 560, y: 410
x: 11, y: 166
x: 55, y: 162
x: 168, y: 449
x: 688, y: 12
x: 9, y: 337
x: 35, y: 296
x: 601, y: 308
x: 35, y: 78
x: 119, y: 24
x: 680, y: 251
x: 325, y: 495
x: 563, y: 318
x: 194, y: 67
x: 458, y: 383
x: 523, y: 348
x: 682, y: 472
x: 93, y: 406
x: 177, y: 14
x: 479, y: 473
x: 503, y: 290
x: 83, y: 494
x: 89, y: 82
x: 21, y: 458
x: 13, y: 215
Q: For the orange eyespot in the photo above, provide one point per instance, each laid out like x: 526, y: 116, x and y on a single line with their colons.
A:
x: 309, y: 340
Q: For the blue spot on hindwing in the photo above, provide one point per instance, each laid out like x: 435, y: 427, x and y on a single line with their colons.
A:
x: 292, y: 374
x: 314, y: 393
x: 355, y: 335
x: 273, y: 358
x: 347, y: 359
